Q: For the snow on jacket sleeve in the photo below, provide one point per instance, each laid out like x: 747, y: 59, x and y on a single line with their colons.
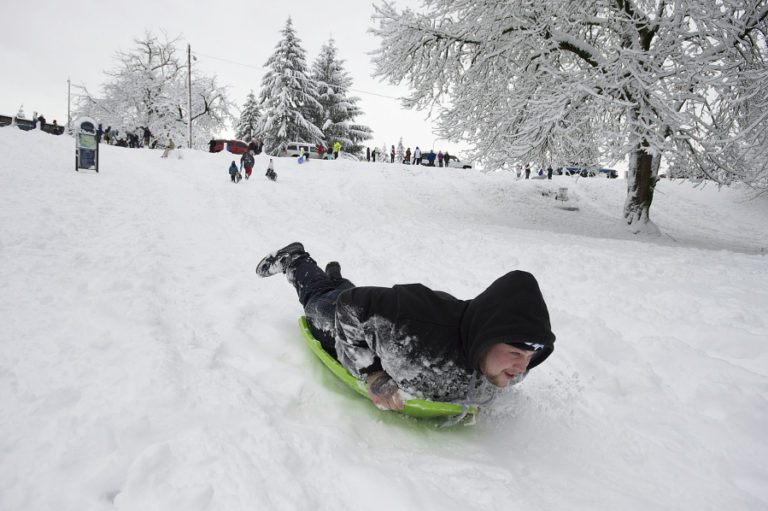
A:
x: 359, y: 330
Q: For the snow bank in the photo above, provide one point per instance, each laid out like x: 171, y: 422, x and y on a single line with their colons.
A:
x: 143, y: 365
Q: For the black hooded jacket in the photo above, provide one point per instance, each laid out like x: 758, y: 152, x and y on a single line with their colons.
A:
x: 430, y: 342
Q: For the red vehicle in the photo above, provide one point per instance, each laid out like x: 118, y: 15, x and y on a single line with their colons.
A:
x: 217, y: 145
x: 236, y: 146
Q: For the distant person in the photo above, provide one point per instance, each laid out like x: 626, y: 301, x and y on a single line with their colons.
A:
x: 519, y: 170
x: 320, y: 150
x: 368, y: 154
x: 55, y: 127
x: 417, y: 156
x: 147, y: 136
x: 247, y: 160
x: 108, y: 135
x: 446, y: 159
x: 527, y: 170
x: 171, y: 146
x: 336, y: 149
x: 431, y: 157
x: 392, y: 155
x: 234, y: 172
x: 373, y: 154
x: 271, y: 174
x: 549, y: 172
x: 407, y: 159
x: 99, y: 133
x: 440, y: 159
x: 41, y: 119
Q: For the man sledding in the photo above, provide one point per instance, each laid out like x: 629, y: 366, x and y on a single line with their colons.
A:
x: 409, y: 339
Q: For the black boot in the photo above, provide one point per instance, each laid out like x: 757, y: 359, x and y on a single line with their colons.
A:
x: 278, y: 262
x: 333, y: 269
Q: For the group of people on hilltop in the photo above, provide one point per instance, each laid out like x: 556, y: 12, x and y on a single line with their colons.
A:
x: 325, y: 152
x: 40, y: 119
x: 131, y: 139
x: 442, y: 158
x: 519, y: 171
x: 247, y: 161
x: 413, y: 158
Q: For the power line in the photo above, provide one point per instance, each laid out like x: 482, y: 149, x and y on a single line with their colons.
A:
x: 360, y: 91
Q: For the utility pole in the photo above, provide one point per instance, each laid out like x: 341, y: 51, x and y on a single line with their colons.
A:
x: 69, y: 115
x: 189, y: 95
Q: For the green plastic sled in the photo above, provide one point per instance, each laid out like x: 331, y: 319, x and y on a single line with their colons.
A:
x: 413, y: 407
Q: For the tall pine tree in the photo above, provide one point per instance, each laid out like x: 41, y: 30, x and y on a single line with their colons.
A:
x: 288, y: 96
x: 338, y: 110
x: 247, y: 127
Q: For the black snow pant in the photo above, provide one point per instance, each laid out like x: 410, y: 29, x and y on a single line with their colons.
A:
x: 317, y: 294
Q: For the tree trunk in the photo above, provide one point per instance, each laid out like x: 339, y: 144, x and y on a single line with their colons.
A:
x: 641, y: 182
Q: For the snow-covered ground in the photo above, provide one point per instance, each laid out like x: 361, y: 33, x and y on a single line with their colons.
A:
x: 144, y: 366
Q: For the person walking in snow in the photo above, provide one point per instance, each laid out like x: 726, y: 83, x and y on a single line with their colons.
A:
x: 411, y: 338
x: 417, y: 156
x: 247, y: 160
x: 392, y: 155
x: 336, y: 149
x: 234, y: 172
x: 527, y: 171
x: 171, y: 147
x: 271, y: 174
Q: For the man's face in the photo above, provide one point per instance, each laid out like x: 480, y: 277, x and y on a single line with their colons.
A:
x: 502, y: 362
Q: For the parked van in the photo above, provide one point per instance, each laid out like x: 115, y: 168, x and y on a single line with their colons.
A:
x: 457, y: 163
x: 293, y: 150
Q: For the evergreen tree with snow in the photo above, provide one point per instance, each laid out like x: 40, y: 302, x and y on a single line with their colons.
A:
x: 288, y: 97
x: 338, y: 110
x: 400, y: 151
x: 247, y: 127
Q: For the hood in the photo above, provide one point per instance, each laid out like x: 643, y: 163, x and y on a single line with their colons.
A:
x: 511, y: 310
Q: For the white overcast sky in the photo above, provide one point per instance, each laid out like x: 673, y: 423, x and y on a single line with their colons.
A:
x: 42, y: 43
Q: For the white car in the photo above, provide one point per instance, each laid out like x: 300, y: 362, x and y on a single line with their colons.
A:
x: 293, y: 150
x: 457, y: 163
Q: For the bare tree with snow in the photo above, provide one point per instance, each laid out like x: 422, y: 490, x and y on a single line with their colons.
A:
x: 288, y: 96
x: 550, y: 80
x: 149, y: 89
x: 338, y: 109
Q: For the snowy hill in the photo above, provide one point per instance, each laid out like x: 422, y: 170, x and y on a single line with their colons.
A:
x: 144, y: 366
